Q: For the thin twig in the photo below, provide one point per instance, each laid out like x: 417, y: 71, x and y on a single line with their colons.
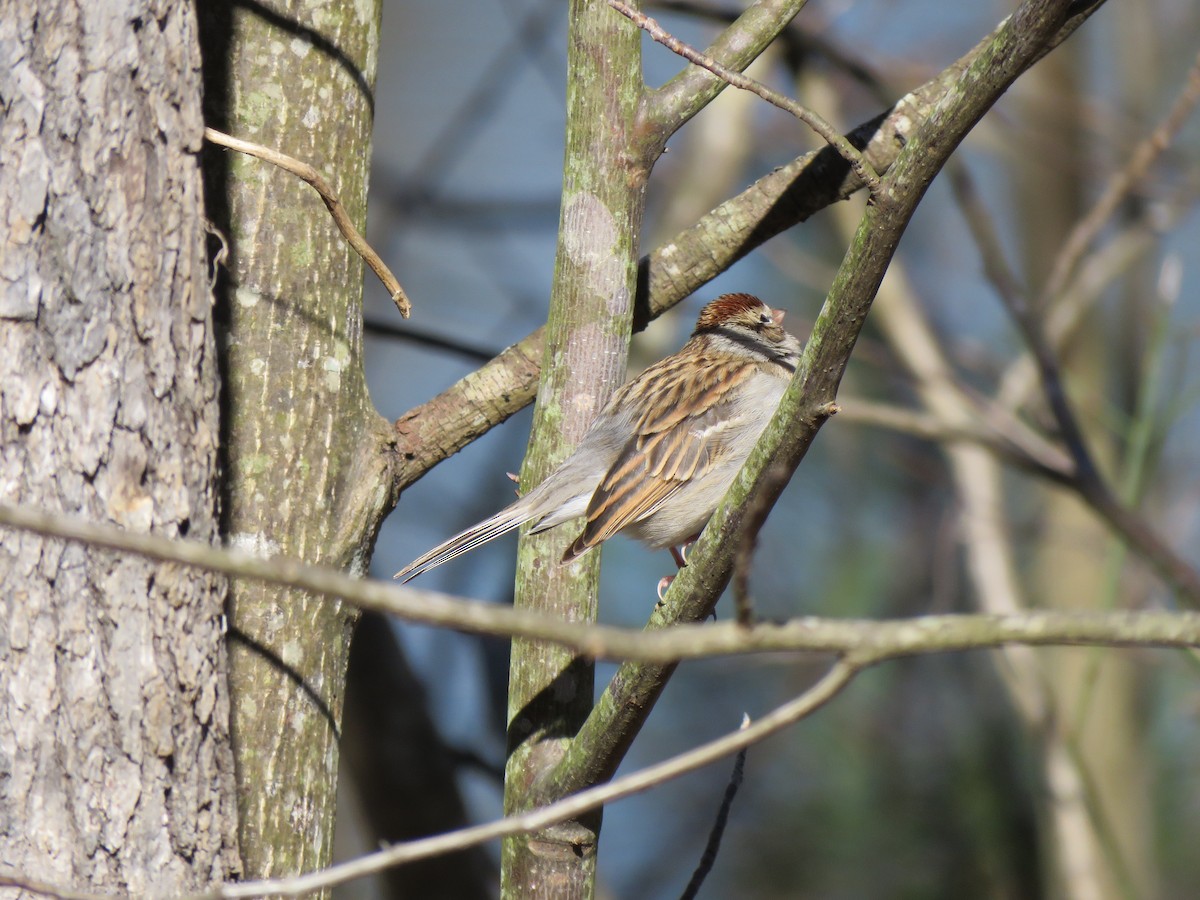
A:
x: 1008, y: 288
x: 1087, y: 481
x: 1017, y: 443
x: 311, y: 176
x: 832, y: 136
x: 435, y: 430
x: 1095, y: 275
x: 428, y: 340
x: 739, y: 582
x: 713, y: 845
x: 756, y: 512
x: 747, y: 34
x: 1122, y: 183
x: 825, y: 689
x: 1060, y: 317
x: 830, y: 684
x: 45, y: 889
x: 883, y: 639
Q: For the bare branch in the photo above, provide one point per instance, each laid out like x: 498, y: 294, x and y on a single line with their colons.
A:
x: 1122, y: 184
x: 311, y: 176
x: 1002, y: 277
x: 825, y: 689
x: 1060, y: 316
x: 840, y: 675
x: 747, y: 34
x: 832, y: 136
x: 1017, y: 443
x: 439, y: 428
x: 1096, y: 273
x: 713, y: 845
x: 877, y: 640
x: 1087, y: 480
x: 1012, y: 48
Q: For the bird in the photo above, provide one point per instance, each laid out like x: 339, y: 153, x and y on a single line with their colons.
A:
x: 667, y: 445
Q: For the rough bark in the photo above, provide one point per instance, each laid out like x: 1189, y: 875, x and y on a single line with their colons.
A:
x: 306, y: 456
x: 115, y: 763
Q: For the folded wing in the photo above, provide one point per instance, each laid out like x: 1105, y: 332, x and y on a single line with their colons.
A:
x: 675, y: 442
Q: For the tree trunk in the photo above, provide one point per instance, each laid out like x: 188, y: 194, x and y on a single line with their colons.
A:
x: 307, y: 457
x: 115, y: 763
x: 587, y: 339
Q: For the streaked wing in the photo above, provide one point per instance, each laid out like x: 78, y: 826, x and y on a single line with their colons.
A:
x: 681, y: 433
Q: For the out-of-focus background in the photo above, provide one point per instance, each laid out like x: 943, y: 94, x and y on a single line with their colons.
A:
x: 929, y: 777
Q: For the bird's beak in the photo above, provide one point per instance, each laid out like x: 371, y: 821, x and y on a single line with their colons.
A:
x: 777, y: 315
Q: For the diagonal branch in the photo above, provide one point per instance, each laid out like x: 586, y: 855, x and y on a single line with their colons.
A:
x: 1060, y: 316
x: 439, y: 428
x: 1008, y: 288
x: 832, y: 136
x: 1123, y: 183
x: 667, y: 109
x: 825, y: 689
x: 1015, y: 46
x: 312, y: 177
x: 1087, y: 479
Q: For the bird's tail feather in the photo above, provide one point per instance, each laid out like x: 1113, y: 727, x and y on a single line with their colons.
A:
x: 489, y: 529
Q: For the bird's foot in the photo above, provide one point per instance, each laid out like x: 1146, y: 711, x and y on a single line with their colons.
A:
x: 663, y: 584
x: 680, y: 553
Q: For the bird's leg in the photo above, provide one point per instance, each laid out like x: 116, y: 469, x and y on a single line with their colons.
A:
x: 680, y: 553
x: 688, y: 545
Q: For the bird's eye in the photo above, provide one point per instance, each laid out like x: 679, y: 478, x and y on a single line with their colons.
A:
x: 764, y: 319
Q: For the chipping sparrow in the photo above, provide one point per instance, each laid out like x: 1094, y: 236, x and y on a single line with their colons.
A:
x: 667, y: 445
